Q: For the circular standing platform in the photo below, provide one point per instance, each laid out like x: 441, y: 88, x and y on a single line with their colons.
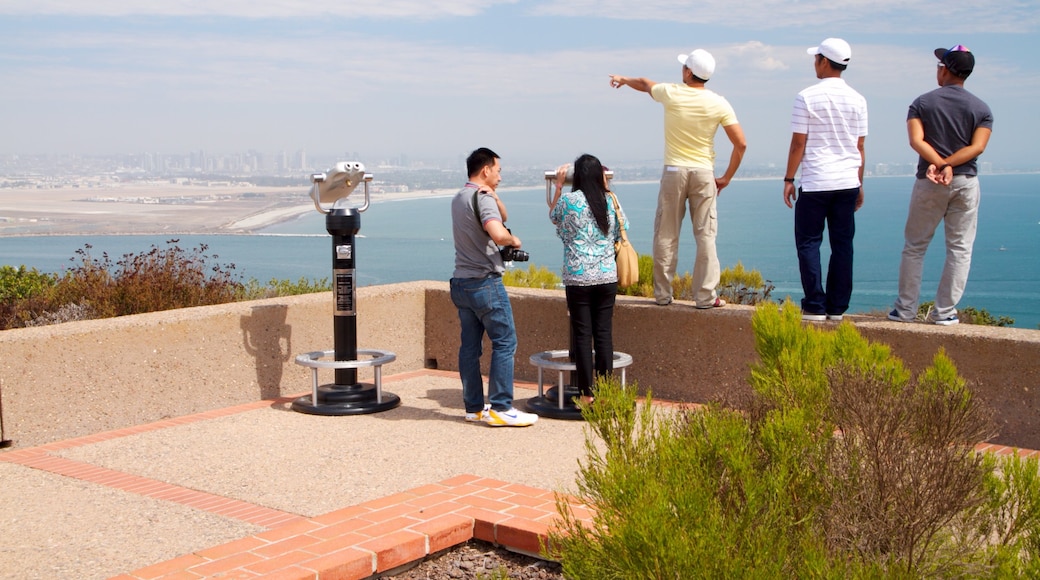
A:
x: 356, y: 399
x: 558, y: 402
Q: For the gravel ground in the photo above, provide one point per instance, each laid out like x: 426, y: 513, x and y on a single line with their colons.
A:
x: 476, y: 560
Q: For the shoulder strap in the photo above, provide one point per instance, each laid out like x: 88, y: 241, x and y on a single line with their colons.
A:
x: 476, y: 212
x: 617, y: 212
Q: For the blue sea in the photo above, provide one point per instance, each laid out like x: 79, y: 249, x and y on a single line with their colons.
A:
x: 411, y: 240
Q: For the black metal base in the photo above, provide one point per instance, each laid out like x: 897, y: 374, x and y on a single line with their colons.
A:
x: 359, y: 399
x: 548, y: 405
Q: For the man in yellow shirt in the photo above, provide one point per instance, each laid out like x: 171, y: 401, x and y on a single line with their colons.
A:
x: 692, y: 116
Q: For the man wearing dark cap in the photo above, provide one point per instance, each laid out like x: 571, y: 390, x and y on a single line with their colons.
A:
x: 828, y: 130
x: 949, y: 128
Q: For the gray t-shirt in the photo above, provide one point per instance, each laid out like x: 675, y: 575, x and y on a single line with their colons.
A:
x: 476, y: 255
x: 950, y: 116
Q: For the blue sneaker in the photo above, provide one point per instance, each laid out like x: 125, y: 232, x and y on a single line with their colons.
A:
x: 948, y: 321
x: 894, y: 315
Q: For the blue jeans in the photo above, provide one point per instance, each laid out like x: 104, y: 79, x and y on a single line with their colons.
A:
x: 812, y: 211
x: 484, y: 307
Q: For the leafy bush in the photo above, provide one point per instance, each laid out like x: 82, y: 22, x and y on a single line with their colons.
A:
x: 645, y: 285
x: 157, y: 279
x: 737, y: 285
x: 253, y: 290
x: 19, y: 286
x: 532, y: 277
x: 740, y: 286
x: 18, y: 283
x: 838, y: 465
x: 968, y: 315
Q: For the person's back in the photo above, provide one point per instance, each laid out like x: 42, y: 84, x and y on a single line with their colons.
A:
x: 692, y: 116
x: 476, y: 255
x: 828, y: 132
x: 950, y: 115
x: 948, y: 128
x: 833, y: 116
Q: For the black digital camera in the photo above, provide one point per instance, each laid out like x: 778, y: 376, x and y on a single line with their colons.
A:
x: 511, y: 254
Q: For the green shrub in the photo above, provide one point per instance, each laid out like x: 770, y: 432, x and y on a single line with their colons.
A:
x: 18, y: 283
x: 736, y: 286
x: 20, y: 286
x: 968, y: 315
x: 838, y: 464
x: 253, y: 290
x: 532, y: 277
x: 740, y: 286
x: 645, y: 285
x: 157, y: 279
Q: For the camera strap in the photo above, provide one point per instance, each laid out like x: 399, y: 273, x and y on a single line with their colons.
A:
x: 476, y: 212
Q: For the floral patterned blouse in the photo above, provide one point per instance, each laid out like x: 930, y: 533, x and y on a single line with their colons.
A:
x: 588, y: 255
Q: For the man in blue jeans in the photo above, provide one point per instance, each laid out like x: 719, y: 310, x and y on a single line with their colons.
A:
x: 828, y: 129
x: 478, y: 226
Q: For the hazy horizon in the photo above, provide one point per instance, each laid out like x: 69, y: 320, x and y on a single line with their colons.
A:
x: 435, y: 80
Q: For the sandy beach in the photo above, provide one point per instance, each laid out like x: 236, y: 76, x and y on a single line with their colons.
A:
x: 162, y: 208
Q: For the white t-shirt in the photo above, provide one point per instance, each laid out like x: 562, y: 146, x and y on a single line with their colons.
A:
x: 833, y: 117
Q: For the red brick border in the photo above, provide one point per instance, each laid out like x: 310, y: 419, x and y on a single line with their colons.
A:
x: 350, y: 543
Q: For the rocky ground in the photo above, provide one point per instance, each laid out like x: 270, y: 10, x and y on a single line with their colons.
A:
x: 476, y: 560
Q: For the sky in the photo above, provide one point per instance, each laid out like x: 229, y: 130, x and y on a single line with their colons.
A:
x: 434, y: 79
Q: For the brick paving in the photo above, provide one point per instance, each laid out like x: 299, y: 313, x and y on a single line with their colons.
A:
x: 355, y: 542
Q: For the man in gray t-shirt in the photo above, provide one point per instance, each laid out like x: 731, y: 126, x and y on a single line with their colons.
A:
x: 949, y: 128
x: 479, y: 295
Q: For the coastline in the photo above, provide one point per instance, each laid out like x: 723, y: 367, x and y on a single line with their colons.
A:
x: 162, y: 209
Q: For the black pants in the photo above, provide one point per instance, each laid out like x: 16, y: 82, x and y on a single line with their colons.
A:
x: 592, y: 328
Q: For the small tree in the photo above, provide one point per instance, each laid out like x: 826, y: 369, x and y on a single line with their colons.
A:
x: 839, y: 465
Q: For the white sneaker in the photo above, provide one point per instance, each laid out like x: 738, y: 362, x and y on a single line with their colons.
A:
x: 479, y: 416
x: 510, y: 418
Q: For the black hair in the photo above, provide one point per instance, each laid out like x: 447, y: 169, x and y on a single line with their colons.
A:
x: 480, y: 159
x: 834, y: 65
x: 693, y: 76
x: 588, y: 177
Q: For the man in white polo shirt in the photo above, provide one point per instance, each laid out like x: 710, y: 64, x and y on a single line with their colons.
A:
x: 828, y: 130
x: 692, y: 116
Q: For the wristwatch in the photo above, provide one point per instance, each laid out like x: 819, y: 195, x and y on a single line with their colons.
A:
x: 788, y: 180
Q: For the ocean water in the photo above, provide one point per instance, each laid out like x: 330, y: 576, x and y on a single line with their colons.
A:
x: 411, y: 240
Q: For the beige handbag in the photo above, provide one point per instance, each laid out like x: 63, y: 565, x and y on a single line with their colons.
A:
x: 624, y: 253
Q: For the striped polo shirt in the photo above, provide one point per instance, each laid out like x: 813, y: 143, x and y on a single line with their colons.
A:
x: 833, y: 117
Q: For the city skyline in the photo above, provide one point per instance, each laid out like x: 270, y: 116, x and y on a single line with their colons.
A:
x: 433, y: 81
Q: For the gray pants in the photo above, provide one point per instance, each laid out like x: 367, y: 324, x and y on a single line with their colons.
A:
x: 957, y: 206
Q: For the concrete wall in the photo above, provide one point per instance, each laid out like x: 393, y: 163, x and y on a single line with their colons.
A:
x: 685, y: 354
x: 85, y: 377
x: 80, y: 378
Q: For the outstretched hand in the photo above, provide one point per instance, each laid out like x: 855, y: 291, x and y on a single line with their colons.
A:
x: 618, y: 81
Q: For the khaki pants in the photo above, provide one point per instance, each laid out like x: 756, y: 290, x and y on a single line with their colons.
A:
x: 681, y: 186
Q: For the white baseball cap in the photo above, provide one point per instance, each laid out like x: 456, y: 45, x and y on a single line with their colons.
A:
x: 700, y: 62
x: 833, y: 49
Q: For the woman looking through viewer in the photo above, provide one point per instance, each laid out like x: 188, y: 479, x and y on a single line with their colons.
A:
x: 587, y: 223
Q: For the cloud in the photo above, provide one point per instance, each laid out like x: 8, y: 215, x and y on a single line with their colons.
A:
x: 414, y: 9
x: 860, y: 16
